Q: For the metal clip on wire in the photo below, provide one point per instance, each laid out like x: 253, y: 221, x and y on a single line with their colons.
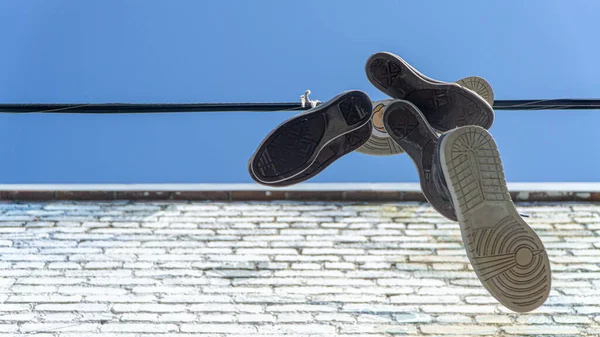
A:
x: 305, y: 101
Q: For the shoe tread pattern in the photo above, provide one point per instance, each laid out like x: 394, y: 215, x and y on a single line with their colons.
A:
x: 445, y: 105
x: 407, y: 127
x: 291, y: 148
x: 338, y: 148
x: 507, y: 255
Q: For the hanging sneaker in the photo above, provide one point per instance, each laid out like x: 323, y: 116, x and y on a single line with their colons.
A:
x: 338, y: 148
x: 507, y: 255
x: 445, y: 105
x: 479, y: 86
x: 295, y: 145
x: 380, y: 143
x: 407, y: 126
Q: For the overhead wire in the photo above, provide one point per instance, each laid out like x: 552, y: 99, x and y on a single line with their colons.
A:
x: 120, y: 108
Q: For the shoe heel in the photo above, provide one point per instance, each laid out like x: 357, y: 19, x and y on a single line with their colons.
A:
x: 507, y: 255
x: 356, y: 109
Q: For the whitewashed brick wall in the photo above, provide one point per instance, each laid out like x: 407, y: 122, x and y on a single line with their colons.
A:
x: 239, y: 269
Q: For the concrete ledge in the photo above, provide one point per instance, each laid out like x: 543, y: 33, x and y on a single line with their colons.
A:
x: 255, y: 192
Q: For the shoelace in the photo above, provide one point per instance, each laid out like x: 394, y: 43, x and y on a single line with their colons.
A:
x: 305, y: 101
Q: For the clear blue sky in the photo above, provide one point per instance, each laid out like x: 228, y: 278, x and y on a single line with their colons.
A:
x: 271, y: 51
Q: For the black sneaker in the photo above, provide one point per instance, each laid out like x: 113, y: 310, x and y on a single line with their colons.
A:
x: 507, y: 255
x: 445, y: 105
x: 296, y: 144
x: 338, y: 147
x: 407, y: 126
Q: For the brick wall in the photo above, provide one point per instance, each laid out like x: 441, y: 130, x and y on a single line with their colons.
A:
x: 275, y: 268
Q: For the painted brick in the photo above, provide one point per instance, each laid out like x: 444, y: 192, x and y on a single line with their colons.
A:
x: 57, y: 327
x: 541, y: 330
x: 294, y: 318
x: 383, y: 329
x: 219, y: 328
x: 43, y: 298
x: 138, y: 327
x: 281, y: 329
x: 419, y: 299
x: 244, y: 318
x: 217, y: 318
x: 14, y: 307
x: 139, y: 317
x: 177, y: 317
x: 195, y: 299
x: 534, y: 319
x: 72, y: 307
x: 148, y: 308
x: 467, y: 309
x: 225, y: 308
x: 570, y: 319
x: 335, y: 317
x: 122, y: 269
x: 454, y: 319
x: 91, y: 290
x: 20, y: 317
x: 493, y: 319
x: 300, y: 308
x: 412, y: 318
x: 451, y: 329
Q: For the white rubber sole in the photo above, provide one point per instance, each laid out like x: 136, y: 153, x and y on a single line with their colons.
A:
x: 507, y: 256
x: 480, y: 86
x: 380, y: 143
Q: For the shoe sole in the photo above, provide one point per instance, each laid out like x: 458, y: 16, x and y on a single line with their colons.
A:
x: 474, y: 83
x: 407, y: 126
x: 333, y: 151
x: 445, y: 105
x: 480, y: 86
x: 507, y: 256
x: 380, y: 144
x: 294, y: 145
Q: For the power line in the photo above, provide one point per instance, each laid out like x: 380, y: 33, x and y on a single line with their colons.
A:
x: 548, y: 104
x: 110, y: 108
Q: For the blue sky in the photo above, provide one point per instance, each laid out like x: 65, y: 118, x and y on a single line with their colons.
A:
x: 271, y: 51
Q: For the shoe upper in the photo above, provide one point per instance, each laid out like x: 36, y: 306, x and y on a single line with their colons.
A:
x: 439, y: 179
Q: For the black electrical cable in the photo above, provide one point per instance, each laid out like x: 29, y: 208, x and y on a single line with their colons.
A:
x: 119, y: 108
x: 110, y: 108
x: 548, y: 104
